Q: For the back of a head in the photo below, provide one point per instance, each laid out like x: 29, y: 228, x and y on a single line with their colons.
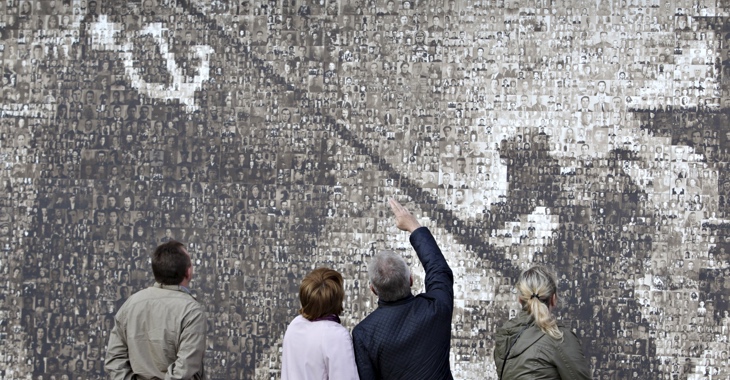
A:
x: 536, y: 287
x: 170, y: 262
x: 390, y: 276
x: 321, y: 294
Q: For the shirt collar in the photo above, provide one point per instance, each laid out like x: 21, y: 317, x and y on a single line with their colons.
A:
x: 401, y: 301
x: 179, y: 288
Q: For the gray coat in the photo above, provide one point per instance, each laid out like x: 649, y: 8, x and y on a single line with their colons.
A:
x: 159, y: 333
x: 536, y: 355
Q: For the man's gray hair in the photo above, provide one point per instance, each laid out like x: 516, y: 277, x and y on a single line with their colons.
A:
x: 390, y: 276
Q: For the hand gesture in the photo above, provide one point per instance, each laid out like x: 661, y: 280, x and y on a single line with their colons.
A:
x: 404, y: 220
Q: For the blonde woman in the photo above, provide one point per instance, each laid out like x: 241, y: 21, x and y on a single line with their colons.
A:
x: 316, y: 345
x: 534, y: 345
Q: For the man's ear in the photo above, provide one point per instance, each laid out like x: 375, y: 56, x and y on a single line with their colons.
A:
x: 411, y: 279
x: 372, y: 289
x: 189, y: 273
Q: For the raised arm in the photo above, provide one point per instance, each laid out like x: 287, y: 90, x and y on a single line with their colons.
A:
x: 439, y: 278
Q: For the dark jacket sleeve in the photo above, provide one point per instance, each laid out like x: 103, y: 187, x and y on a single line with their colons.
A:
x: 570, y: 361
x: 439, y: 278
x: 364, y: 367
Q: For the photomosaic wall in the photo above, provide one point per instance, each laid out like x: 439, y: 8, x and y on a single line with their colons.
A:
x: 267, y: 136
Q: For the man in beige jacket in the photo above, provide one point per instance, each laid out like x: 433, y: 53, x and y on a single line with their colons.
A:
x: 159, y: 332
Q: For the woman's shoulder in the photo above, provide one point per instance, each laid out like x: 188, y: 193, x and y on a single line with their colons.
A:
x: 511, y: 326
x: 565, y: 329
x: 299, y: 319
x: 569, y: 338
x: 322, y: 325
x: 334, y: 333
x: 303, y: 327
x: 337, y: 329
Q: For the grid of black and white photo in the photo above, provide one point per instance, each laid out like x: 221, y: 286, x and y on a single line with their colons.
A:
x: 267, y: 136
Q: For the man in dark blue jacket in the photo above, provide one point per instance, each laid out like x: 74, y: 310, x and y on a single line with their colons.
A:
x: 407, y: 337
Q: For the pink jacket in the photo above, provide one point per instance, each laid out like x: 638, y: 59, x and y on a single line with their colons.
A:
x: 317, y: 351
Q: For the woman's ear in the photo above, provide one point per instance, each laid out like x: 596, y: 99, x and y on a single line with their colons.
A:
x: 554, y: 300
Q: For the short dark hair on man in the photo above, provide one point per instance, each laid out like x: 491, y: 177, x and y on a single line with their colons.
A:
x: 170, y: 262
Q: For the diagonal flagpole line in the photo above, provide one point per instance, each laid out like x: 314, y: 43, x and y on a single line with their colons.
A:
x: 407, y: 185
x: 450, y: 221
